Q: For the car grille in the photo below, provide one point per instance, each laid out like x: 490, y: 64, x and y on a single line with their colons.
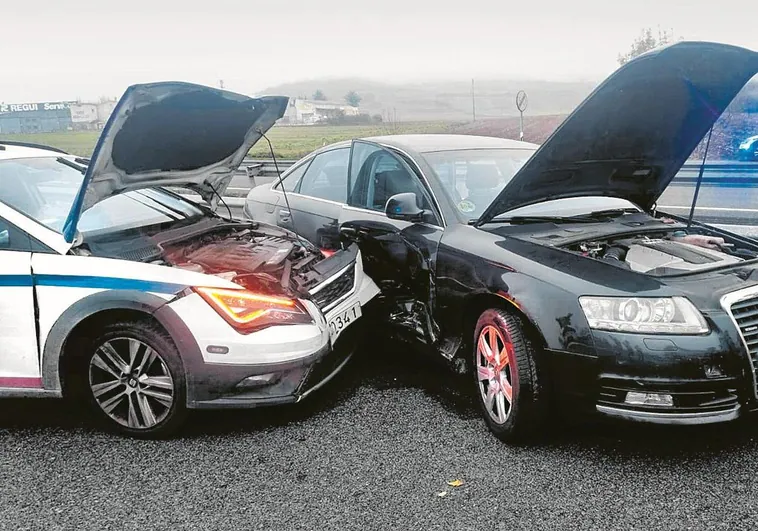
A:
x: 745, y: 313
x: 336, y: 289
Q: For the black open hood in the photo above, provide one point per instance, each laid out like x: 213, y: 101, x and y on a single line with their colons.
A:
x: 632, y: 135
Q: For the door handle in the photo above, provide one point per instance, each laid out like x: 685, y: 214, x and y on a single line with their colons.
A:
x: 284, y: 216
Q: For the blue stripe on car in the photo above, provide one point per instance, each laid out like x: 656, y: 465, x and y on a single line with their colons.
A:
x: 15, y: 280
x: 74, y: 281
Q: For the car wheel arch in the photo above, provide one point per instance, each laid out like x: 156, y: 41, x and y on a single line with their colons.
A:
x: 476, y: 304
x: 104, y: 307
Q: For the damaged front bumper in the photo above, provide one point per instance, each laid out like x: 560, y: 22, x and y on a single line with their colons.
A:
x: 280, y: 364
x: 249, y: 386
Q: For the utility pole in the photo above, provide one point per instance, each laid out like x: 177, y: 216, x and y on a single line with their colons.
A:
x: 473, y: 101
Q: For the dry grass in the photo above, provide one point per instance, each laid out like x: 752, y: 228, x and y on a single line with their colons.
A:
x: 290, y: 142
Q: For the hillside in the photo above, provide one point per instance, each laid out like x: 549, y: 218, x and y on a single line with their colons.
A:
x: 445, y: 100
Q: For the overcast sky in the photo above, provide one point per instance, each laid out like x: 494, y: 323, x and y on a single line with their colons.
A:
x: 62, y: 50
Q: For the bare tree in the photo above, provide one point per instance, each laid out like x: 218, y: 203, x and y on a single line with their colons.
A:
x: 645, y: 42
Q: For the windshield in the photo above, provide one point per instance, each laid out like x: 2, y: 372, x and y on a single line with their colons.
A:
x: 44, y: 189
x: 472, y: 178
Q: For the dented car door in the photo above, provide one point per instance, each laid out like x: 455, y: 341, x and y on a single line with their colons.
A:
x: 400, y: 256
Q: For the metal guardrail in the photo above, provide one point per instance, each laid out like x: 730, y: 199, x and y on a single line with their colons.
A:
x: 264, y: 167
x: 255, y: 172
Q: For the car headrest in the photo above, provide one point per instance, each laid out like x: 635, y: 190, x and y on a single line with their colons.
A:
x: 481, y: 176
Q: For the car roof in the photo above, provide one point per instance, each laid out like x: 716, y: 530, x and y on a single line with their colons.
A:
x: 13, y: 151
x: 426, y: 143
x: 431, y: 143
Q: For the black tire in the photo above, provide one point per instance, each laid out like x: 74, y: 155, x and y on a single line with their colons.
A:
x: 120, y: 335
x: 527, y: 410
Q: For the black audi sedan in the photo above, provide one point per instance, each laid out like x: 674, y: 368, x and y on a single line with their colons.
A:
x: 547, y: 272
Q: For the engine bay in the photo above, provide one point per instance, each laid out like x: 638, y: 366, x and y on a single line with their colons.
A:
x: 258, y: 257
x: 665, y: 253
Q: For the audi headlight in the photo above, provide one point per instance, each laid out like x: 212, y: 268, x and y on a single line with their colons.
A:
x: 669, y: 315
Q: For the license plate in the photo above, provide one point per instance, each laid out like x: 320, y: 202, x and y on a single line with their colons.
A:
x: 341, y: 321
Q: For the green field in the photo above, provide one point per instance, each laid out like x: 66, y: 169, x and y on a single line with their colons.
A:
x: 290, y: 142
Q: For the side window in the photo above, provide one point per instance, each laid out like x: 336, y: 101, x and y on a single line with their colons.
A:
x: 292, y: 179
x: 326, y: 177
x: 13, y: 238
x: 377, y: 174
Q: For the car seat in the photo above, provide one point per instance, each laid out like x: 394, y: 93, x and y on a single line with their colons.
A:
x: 336, y: 177
x: 482, y: 181
x: 388, y: 183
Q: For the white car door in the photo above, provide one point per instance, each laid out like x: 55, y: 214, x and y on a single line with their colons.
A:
x: 19, y: 355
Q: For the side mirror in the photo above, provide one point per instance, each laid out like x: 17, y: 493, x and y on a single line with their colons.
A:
x: 5, y: 239
x: 403, y: 207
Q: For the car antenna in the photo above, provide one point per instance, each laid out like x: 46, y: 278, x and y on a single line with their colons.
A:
x: 284, y: 192
x: 699, y: 178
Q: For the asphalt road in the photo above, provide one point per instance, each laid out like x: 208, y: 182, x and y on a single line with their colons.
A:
x: 374, y: 450
x: 716, y: 204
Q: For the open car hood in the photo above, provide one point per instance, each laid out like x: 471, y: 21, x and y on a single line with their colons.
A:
x: 173, y: 134
x: 632, y: 135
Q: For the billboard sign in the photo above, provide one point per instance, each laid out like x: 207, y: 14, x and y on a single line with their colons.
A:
x: 35, y: 107
x: 83, y: 113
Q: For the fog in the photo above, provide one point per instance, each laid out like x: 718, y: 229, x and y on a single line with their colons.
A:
x: 54, y: 50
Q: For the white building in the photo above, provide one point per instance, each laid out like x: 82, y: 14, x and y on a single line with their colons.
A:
x: 104, y: 110
x: 307, y: 112
x: 91, y: 115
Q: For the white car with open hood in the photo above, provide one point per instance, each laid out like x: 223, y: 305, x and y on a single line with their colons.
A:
x: 119, y: 291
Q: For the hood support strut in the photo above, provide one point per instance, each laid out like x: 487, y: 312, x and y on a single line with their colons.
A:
x: 699, y: 178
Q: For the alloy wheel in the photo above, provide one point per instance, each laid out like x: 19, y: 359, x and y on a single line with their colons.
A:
x: 131, y: 383
x: 495, y: 365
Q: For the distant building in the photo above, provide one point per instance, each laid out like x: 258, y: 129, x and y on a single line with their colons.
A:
x: 91, y: 115
x: 307, y: 112
x: 104, y: 110
x: 44, y: 117
x: 51, y: 117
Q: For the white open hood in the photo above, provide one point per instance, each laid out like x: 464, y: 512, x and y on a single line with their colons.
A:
x: 173, y: 134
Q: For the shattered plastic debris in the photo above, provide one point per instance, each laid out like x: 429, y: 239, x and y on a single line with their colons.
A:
x: 442, y: 494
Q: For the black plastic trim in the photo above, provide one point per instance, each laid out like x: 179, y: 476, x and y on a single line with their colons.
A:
x: 103, y: 301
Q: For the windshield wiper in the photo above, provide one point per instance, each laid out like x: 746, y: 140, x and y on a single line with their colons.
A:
x: 66, y: 162
x: 591, y: 217
x: 516, y: 220
x: 611, y: 212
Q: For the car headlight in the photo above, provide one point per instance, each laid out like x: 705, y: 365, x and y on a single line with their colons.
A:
x: 651, y: 315
x: 249, y: 312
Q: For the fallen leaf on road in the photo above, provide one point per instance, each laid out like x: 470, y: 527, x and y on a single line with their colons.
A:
x: 455, y: 483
